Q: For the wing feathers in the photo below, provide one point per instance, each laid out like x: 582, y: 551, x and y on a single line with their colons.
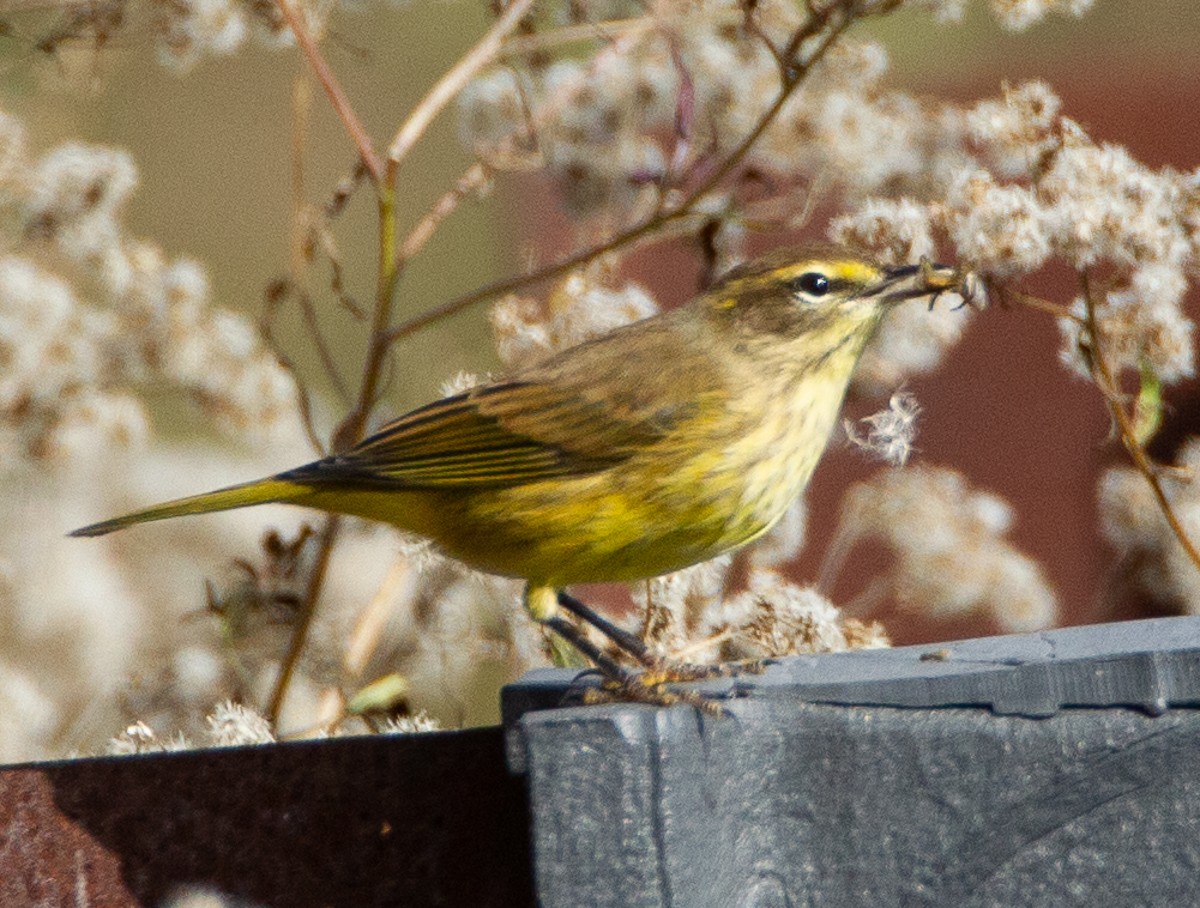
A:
x: 457, y: 442
x: 577, y: 413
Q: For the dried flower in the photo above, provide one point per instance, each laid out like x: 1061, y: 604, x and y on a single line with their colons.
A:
x: 1001, y: 230
x: 416, y: 724
x: 579, y: 308
x: 896, y: 231
x: 1141, y: 325
x: 75, y: 195
x: 140, y: 738
x: 890, y: 432
x: 951, y: 557
x: 1133, y: 523
x: 1017, y: 15
x: 1102, y: 205
x: 233, y: 725
x: 192, y: 29
x: 1017, y: 131
x: 675, y: 610
x: 777, y: 618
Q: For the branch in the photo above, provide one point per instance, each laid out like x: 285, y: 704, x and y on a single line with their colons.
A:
x: 792, y: 78
x: 337, y: 97
x: 1042, y: 305
x: 552, y: 38
x: 450, y: 84
x: 308, y: 609
x: 1105, y: 381
x: 348, y: 432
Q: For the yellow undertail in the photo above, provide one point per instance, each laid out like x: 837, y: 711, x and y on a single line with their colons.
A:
x: 262, y: 491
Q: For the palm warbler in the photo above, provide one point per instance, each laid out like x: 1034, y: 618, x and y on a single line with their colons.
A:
x: 657, y: 446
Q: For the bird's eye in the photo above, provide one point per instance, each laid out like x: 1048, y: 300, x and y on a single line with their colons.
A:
x: 811, y: 283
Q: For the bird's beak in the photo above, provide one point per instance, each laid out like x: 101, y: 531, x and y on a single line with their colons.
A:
x: 907, y: 282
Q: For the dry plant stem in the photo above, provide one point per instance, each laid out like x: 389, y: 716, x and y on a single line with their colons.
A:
x: 332, y: 372
x: 301, y: 117
x: 475, y: 177
x: 369, y: 627
x: 450, y: 84
x: 1041, y: 305
x: 838, y: 548
x: 301, y: 250
x: 347, y: 434
x: 303, y: 403
x: 337, y: 97
x: 312, y: 592
x: 792, y: 76
x: 1106, y: 382
x: 353, y: 426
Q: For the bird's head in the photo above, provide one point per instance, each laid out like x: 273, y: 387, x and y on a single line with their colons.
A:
x: 816, y: 306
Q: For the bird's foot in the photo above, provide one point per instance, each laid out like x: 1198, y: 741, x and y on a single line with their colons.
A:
x: 651, y: 688
x: 647, y: 685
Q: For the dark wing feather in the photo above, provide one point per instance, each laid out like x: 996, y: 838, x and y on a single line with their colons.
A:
x: 456, y: 442
x: 577, y: 413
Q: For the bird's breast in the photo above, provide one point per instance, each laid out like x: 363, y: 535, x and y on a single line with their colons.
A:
x: 776, y: 458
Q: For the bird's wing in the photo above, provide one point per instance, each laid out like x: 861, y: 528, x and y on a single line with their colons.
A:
x: 575, y: 414
x: 455, y: 442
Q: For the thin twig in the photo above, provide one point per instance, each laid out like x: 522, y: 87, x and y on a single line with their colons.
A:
x: 303, y: 232
x: 303, y: 403
x: 372, y: 620
x: 449, y: 85
x: 348, y: 432
x: 792, y: 78
x: 308, y: 608
x: 351, y: 428
x: 343, y: 191
x: 301, y: 119
x: 324, y: 353
x: 481, y: 171
x: 1042, y: 305
x: 1105, y: 381
x: 337, y: 278
x: 517, y: 282
x: 337, y: 97
x: 421, y: 232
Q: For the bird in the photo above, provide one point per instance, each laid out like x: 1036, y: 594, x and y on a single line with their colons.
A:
x: 654, y: 447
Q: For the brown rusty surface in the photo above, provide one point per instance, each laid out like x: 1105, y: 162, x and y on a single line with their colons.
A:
x: 380, y: 821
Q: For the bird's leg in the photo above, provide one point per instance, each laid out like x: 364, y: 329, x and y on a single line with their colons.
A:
x: 659, y: 669
x: 621, y: 683
x: 629, y: 643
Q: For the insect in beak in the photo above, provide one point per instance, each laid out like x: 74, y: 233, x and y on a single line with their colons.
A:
x: 907, y: 282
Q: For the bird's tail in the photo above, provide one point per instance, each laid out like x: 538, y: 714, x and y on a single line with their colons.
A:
x: 262, y: 491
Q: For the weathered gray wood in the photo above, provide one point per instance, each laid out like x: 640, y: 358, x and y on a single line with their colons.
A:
x: 1054, y: 769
